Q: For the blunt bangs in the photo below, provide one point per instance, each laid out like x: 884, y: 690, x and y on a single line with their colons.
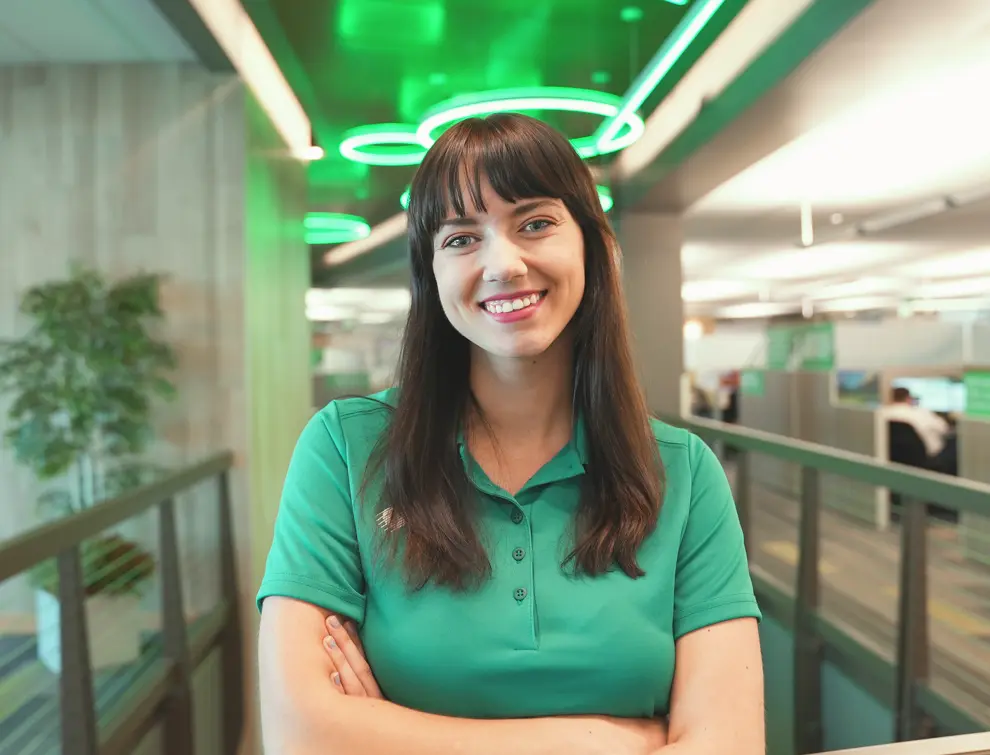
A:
x: 521, y: 157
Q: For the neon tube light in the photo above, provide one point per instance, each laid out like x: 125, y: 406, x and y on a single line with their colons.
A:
x: 669, y: 53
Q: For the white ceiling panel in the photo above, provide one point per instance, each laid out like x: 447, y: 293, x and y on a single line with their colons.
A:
x: 87, y: 31
x: 898, y: 184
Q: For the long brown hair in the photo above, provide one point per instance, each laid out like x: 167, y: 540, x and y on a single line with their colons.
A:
x: 424, y: 480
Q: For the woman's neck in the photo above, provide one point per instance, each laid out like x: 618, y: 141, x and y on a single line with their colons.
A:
x: 526, y: 400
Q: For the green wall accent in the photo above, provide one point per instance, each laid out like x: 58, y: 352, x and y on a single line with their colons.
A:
x: 752, y: 383
x: 277, y: 334
x: 977, y: 393
x: 806, y: 346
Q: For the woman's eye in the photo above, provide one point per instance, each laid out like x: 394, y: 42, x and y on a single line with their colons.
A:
x: 537, y: 225
x: 458, y: 242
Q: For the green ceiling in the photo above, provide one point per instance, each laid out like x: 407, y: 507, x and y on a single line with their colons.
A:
x: 358, y: 62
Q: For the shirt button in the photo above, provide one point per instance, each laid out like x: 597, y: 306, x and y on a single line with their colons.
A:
x: 520, y: 593
x: 518, y: 554
x: 517, y: 516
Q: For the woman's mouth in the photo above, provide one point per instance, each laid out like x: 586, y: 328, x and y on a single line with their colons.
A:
x: 514, y: 308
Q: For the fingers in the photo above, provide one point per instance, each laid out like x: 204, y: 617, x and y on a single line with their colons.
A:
x: 343, y: 677
x: 348, y: 658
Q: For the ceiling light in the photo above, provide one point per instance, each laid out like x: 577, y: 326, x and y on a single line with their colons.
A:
x: 312, y: 153
x: 952, y: 289
x: 854, y: 288
x: 659, y: 66
x: 715, y: 290
x: 693, y: 330
x: 974, y: 262
x: 240, y: 39
x: 329, y: 314
x: 858, y: 304
x: 388, y: 144
x: 975, y: 304
x: 334, y: 228
x: 369, y: 299
x: 631, y: 14
x: 816, y: 261
x: 757, y: 309
x: 605, y: 197
x: 526, y: 99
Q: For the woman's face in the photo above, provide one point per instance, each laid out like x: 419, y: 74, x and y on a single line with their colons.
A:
x: 512, y: 277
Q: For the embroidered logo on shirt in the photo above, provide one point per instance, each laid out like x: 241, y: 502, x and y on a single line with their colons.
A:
x: 385, y: 520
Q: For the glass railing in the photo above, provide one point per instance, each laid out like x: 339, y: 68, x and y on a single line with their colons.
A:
x: 972, y: 744
x: 117, y: 622
x: 871, y: 619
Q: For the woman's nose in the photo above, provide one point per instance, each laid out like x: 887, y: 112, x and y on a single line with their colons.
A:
x: 503, y: 260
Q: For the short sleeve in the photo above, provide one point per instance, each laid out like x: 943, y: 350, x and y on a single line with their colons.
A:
x: 712, y: 583
x: 314, y: 555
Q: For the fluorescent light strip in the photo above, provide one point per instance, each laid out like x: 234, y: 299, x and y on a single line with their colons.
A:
x: 668, y: 54
x: 382, y: 233
x: 237, y: 35
x: 756, y: 26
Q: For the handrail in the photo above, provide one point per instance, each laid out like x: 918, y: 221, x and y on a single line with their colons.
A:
x: 916, y: 705
x: 969, y: 744
x: 968, y: 495
x: 46, y: 541
x: 162, y: 693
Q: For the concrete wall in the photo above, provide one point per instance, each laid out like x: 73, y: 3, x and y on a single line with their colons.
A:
x: 167, y: 168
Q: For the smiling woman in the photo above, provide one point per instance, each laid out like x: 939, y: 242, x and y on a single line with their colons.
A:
x: 505, y: 553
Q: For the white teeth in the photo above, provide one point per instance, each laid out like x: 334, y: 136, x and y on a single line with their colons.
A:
x: 511, y: 305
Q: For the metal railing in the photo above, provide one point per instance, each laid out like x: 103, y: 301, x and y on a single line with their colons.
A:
x: 916, y: 705
x: 163, y: 692
x: 972, y: 744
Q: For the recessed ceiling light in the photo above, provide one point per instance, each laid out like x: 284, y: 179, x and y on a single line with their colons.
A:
x: 334, y: 228
x: 631, y: 14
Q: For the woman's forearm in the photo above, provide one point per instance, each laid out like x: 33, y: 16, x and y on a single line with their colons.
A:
x: 361, y: 726
x: 304, y: 714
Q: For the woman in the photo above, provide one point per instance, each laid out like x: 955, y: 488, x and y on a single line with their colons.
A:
x: 484, y: 548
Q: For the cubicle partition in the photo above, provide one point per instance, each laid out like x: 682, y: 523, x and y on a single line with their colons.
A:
x: 838, y: 408
x: 803, y: 405
x: 974, y: 464
x: 770, y: 404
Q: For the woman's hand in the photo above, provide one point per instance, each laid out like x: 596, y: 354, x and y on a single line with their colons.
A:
x: 352, y: 674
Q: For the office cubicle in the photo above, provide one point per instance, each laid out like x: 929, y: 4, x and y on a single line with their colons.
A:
x: 838, y: 408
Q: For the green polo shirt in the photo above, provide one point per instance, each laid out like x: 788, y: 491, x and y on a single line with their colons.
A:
x: 534, y: 640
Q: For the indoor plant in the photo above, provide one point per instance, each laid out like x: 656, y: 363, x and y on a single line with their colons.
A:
x: 82, y: 382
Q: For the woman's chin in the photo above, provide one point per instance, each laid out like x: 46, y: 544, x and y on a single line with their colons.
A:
x: 518, y: 346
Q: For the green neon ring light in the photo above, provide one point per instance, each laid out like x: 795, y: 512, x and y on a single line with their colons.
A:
x: 566, y: 99
x: 604, y: 196
x: 334, y: 228
x: 388, y: 144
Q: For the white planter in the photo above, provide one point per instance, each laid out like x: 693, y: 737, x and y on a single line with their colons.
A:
x: 112, y: 623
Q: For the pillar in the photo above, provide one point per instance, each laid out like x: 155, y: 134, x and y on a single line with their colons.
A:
x: 651, y: 270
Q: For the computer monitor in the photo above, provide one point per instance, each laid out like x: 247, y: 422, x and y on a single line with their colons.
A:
x: 937, y: 393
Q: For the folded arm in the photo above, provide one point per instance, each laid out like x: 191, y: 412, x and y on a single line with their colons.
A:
x: 302, y: 713
x: 717, y: 696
